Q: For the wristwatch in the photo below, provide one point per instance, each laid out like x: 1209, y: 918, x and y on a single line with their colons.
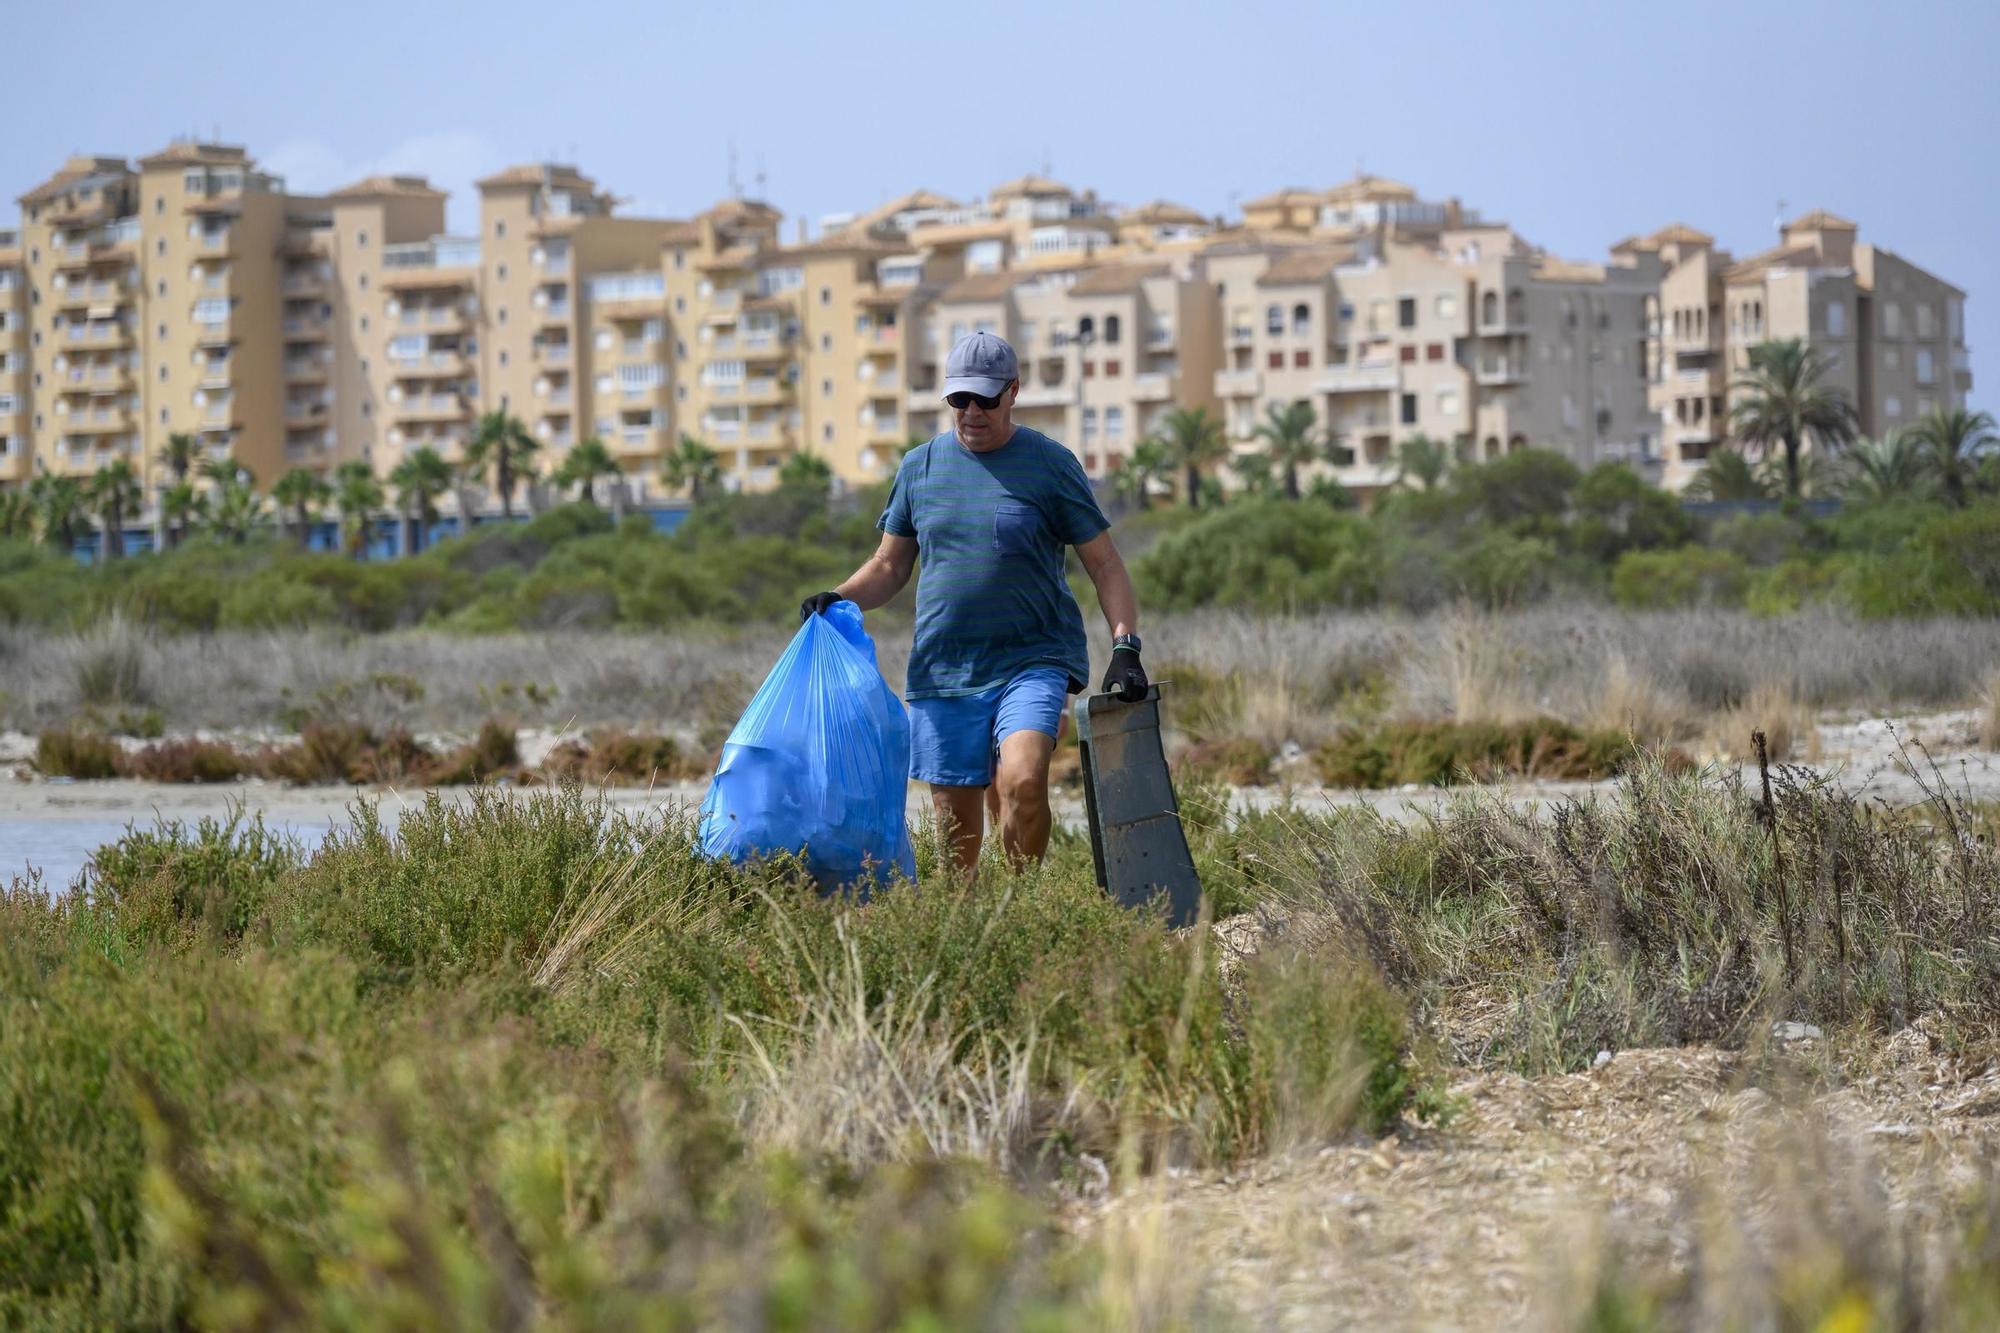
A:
x: 1125, y: 641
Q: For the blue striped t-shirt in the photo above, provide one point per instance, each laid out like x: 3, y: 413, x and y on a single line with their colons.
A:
x: 991, y: 529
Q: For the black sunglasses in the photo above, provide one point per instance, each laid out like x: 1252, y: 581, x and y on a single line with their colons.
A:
x: 964, y: 399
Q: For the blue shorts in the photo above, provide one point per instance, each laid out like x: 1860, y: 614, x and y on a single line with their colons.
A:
x: 954, y: 741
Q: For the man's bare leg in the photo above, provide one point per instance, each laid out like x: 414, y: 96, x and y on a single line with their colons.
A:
x: 1023, y: 783
x: 961, y: 816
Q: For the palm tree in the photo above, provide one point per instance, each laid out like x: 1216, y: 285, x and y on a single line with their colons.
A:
x: 1194, y: 440
x: 181, y: 506
x: 1253, y: 471
x: 237, y: 509
x: 1886, y: 469
x: 303, y: 491
x: 114, y: 492
x: 1727, y: 475
x: 419, y: 480
x: 1954, y: 438
x: 1291, y: 439
x: 806, y: 474
x: 585, y: 463
x: 17, y: 515
x: 1149, y: 462
x: 1784, y: 403
x: 60, y: 501
x: 1423, y: 458
x: 225, y: 472
x: 179, y: 453
x: 692, y: 465
x: 357, y: 494
x: 501, y: 442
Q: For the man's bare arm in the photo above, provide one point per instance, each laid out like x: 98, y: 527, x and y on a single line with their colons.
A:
x: 883, y: 574
x: 1113, y: 583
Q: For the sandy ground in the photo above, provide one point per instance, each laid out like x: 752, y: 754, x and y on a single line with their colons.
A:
x: 1499, y: 1219
x: 1863, y: 754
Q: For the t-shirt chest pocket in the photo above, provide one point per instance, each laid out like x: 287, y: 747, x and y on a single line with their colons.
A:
x: 1017, y: 528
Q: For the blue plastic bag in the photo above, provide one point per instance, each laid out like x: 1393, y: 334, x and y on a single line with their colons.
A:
x: 819, y: 763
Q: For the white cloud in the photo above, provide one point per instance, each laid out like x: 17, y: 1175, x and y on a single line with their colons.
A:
x: 451, y: 160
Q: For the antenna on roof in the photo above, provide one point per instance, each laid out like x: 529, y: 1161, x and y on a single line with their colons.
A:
x: 1778, y: 221
x: 759, y: 177
x: 735, y: 186
x: 1048, y: 167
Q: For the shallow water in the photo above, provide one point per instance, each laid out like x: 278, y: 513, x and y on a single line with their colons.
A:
x: 60, y: 848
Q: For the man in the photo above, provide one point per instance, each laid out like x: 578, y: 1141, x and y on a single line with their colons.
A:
x: 999, y: 645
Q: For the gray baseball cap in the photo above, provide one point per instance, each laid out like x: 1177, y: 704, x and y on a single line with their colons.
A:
x: 980, y: 363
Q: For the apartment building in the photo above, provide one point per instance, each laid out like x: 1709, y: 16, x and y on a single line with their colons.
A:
x: 1894, y: 334
x: 16, y: 457
x: 1475, y: 341
x: 190, y: 292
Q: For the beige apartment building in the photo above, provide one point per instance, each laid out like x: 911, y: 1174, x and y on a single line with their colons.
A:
x: 190, y: 292
x: 16, y: 455
x: 1894, y: 334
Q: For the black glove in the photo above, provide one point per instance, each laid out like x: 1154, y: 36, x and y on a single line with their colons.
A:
x: 1127, y: 676
x: 816, y: 605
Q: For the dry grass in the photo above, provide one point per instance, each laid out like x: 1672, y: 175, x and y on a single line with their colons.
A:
x: 1636, y: 704
x: 1787, y: 725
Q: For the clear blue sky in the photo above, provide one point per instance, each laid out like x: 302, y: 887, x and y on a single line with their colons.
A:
x: 1577, y: 123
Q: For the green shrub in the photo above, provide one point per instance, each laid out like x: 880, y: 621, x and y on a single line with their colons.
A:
x: 63, y: 752
x: 1327, y: 1041
x: 345, y: 752
x: 1239, y: 761
x: 1264, y: 555
x: 613, y: 756
x: 1439, y: 753
x: 170, y: 878
x: 1688, y: 576
x: 490, y: 754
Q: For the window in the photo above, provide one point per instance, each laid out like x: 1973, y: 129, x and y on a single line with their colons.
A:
x: 826, y: 342
x: 363, y: 282
x: 1924, y: 320
x: 1892, y: 358
x: 1112, y: 366
x: 1089, y: 423
x: 1892, y: 320
x: 1434, y: 352
x: 1446, y: 306
x: 1408, y: 353
x: 1926, y: 371
x: 499, y: 227
x: 1892, y: 406
x: 1114, y: 423
x: 213, y: 311
x: 9, y: 405
x: 1489, y: 308
x: 1276, y: 360
x: 163, y: 374
x: 364, y: 321
x: 361, y: 240
x: 1086, y: 328
x: 1302, y: 319
x: 499, y: 317
x: 1274, y: 320
x: 1448, y: 402
x: 1836, y: 319
x: 503, y: 358
x: 680, y: 259
x: 1302, y: 358
x: 409, y: 347
x: 500, y: 272
x: 1111, y: 331
x: 1406, y: 312
x: 826, y: 296
x: 1345, y: 312
x: 1089, y: 369
x: 826, y: 388
x: 1408, y: 415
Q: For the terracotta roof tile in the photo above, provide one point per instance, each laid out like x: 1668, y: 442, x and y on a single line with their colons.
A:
x: 979, y: 287
x: 1116, y: 279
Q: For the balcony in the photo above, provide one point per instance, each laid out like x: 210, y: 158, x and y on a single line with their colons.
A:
x: 306, y: 370
x: 724, y: 302
x: 1501, y: 372
x: 443, y: 262
x: 1360, y: 377
x: 99, y: 421
x: 766, y: 389
x: 216, y: 334
x: 431, y: 365
x: 1159, y: 338
x: 722, y: 430
x: 552, y: 354
x: 883, y: 429
x: 554, y: 312
x: 641, y: 438
x: 306, y: 410
x: 1152, y: 388
x: 310, y: 283
x: 303, y: 328
x: 212, y: 243
x: 103, y: 334
x: 1238, y: 383
x: 882, y: 340
x: 214, y: 375
x: 429, y: 407
x: 758, y: 431
x: 1240, y: 335
x: 883, y: 381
